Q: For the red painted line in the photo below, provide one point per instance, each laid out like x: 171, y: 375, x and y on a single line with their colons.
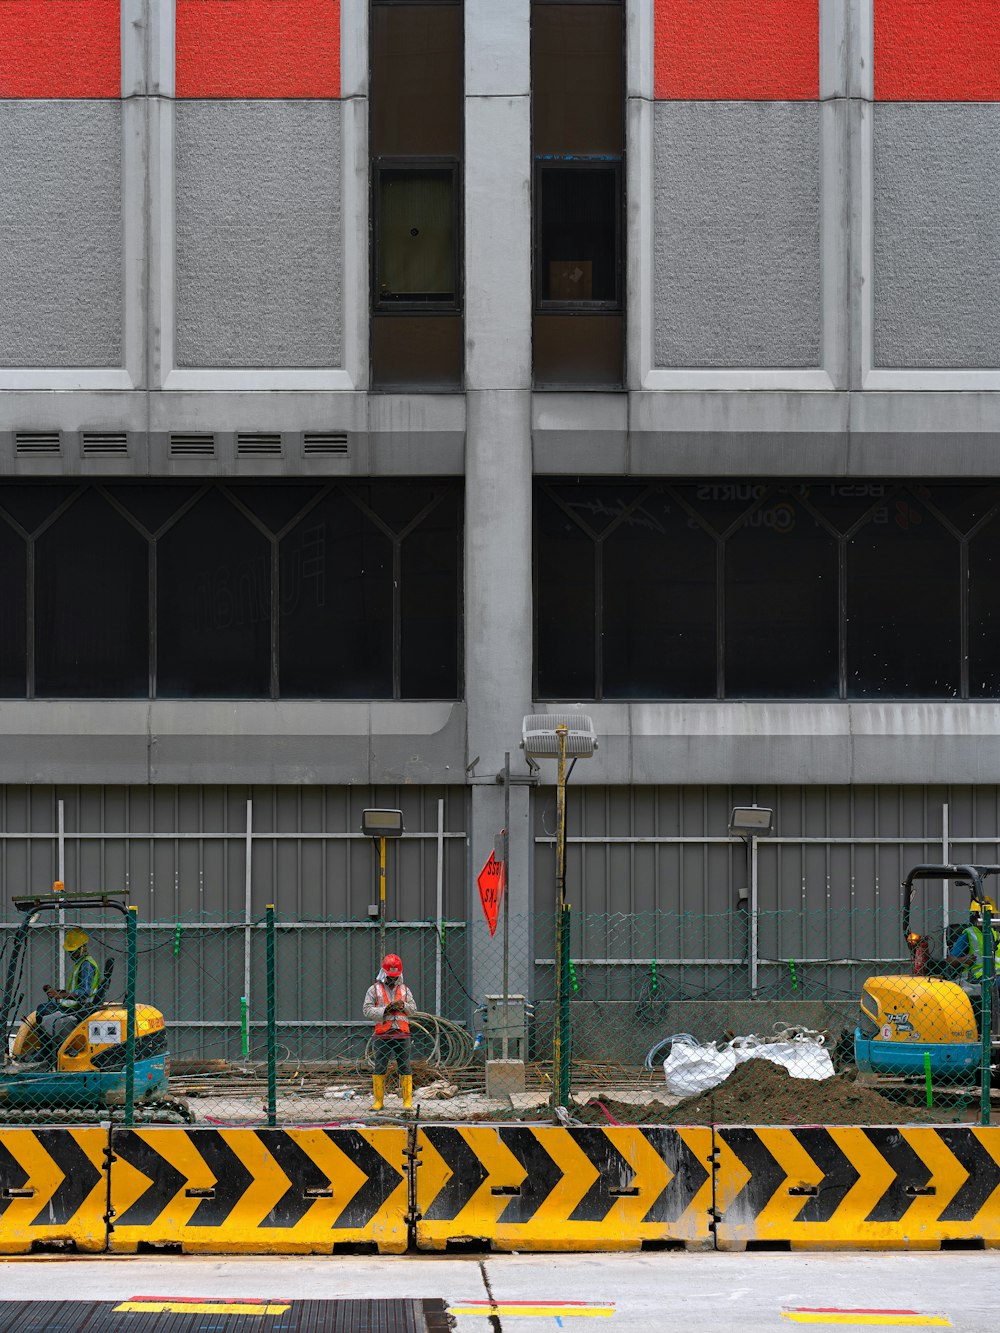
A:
x: 60, y: 48
x: 258, y: 48
x: 929, y: 51
x: 752, y: 50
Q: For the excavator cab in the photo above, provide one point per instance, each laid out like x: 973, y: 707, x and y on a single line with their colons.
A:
x: 77, y: 1062
x: 924, y: 1023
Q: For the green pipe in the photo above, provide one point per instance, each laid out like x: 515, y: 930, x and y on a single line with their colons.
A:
x: 272, y: 1024
x: 791, y: 968
x: 244, y: 1027
x: 986, y: 1016
x: 177, y: 940
x: 130, y: 953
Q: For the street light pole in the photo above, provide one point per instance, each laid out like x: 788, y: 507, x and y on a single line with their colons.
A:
x: 560, y: 1045
x: 381, y: 897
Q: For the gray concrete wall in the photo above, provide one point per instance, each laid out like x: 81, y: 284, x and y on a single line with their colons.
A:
x: 936, y: 243
x: 61, y: 234
x: 736, y: 259
x: 258, y: 234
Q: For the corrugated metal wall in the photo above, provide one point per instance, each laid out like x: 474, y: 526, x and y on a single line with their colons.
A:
x: 653, y: 875
x: 182, y: 854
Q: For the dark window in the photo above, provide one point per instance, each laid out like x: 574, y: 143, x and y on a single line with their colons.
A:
x: 578, y: 137
x: 984, y: 612
x: 336, y: 608
x: 577, y: 70
x: 91, y: 605
x: 430, y: 611
x: 13, y: 618
x: 213, y: 605
x: 370, y: 579
x: 416, y: 79
x: 578, y: 215
x: 565, y: 611
x: 903, y: 604
x: 781, y: 604
x: 416, y: 237
x: 416, y: 109
x: 659, y: 604
x: 828, y: 589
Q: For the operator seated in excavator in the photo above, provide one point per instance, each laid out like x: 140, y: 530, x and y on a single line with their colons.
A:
x: 966, y: 953
x: 60, y: 1010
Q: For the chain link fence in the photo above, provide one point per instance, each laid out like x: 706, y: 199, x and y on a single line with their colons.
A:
x: 735, y: 1017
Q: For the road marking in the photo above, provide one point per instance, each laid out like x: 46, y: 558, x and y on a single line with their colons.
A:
x: 540, y: 1309
x: 885, y: 1318
x: 196, y: 1305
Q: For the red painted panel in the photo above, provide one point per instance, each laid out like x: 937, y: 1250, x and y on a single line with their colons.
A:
x: 755, y: 50
x: 258, y: 48
x: 60, y: 48
x: 937, y: 50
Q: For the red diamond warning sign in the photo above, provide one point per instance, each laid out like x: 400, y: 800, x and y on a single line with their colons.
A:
x: 491, y: 882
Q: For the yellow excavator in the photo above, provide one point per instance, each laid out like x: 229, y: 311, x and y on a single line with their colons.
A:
x: 925, y: 1022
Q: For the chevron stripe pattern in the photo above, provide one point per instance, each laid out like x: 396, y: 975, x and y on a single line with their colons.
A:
x: 526, y: 1187
x: 53, y: 1187
x: 547, y: 1188
x: 268, y: 1191
x: 904, y: 1188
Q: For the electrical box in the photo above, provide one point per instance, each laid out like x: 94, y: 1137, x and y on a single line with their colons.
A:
x: 510, y: 1020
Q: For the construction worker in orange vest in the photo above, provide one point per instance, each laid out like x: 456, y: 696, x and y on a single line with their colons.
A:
x: 389, y: 1003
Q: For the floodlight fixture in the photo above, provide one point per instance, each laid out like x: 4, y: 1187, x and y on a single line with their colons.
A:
x: 540, y: 735
x: 751, y: 821
x: 382, y: 823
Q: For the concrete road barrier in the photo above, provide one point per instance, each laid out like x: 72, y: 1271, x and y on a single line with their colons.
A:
x: 53, y: 1188
x: 538, y: 1187
x: 854, y: 1188
x: 265, y: 1191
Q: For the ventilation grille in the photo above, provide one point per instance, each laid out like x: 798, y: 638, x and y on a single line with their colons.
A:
x: 258, y: 446
x: 36, y: 443
x: 105, y: 444
x: 316, y: 443
x: 192, y: 446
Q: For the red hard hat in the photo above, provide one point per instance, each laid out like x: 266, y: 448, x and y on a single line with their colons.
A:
x: 392, y: 965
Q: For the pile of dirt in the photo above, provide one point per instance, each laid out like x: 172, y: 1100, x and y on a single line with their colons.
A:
x: 761, y: 1093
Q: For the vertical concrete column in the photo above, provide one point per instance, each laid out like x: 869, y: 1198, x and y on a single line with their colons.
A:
x: 498, y: 640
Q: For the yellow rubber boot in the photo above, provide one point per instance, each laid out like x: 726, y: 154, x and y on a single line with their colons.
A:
x: 378, y: 1088
x: 406, y: 1088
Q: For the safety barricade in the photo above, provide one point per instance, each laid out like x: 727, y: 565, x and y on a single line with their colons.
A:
x: 854, y: 1188
x: 536, y: 1187
x: 53, y: 1188
x: 264, y: 1191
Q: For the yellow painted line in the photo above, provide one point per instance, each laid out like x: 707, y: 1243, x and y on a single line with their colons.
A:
x: 887, y: 1318
x: 529, y: 1310
x: 197, y: 1307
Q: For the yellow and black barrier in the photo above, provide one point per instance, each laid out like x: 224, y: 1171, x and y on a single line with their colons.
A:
x: 850, y: 1188
x: 259, y: 1191
x: 524, y: 1187
x: 538, y: 1187
x: 53, y: 1189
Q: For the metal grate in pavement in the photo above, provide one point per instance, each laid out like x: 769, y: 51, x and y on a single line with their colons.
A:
x: 344, y: 1316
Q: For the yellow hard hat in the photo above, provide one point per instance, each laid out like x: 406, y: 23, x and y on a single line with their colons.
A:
x: 977, y: 908
x: 75, y: 939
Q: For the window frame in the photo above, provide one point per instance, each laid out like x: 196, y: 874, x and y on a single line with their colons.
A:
x: 414, y: 166
x: 577, y: 162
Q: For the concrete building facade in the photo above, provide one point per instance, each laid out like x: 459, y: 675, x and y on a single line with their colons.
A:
x: 198, y: 285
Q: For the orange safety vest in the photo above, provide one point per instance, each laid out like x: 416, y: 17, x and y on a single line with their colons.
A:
x: 395, y: 1023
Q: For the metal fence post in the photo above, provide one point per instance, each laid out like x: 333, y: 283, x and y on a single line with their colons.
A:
x: 130, y: 961
x: 986, y: 1015
x: 272, y: 1024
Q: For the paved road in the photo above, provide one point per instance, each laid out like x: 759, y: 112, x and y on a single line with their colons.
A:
x: 747, y: 1293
